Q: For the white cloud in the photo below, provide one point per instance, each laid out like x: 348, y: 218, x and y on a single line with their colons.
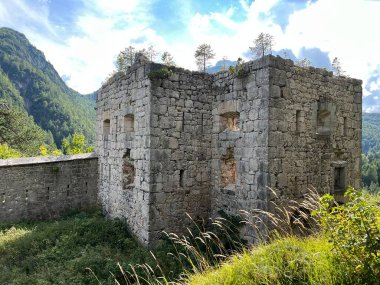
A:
x: 346, y: 29
x: 19, y: 14
x: 228, y: 37
x: 103, y: 29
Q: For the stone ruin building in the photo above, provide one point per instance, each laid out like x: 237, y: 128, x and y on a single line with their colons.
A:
x: 171, y: 141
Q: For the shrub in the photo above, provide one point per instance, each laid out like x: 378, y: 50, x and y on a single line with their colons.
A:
x: 7, y: 152
x: 160, y: 74
x: 354, y: 232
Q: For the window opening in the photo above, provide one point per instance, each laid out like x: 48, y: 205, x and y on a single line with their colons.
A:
x: 339, y: 180
x: 129, y: 123
x: 106, y: 129
x: 344, y: 126
x: 230, y: 121
x: 228, y: 170
x: 298, y: 121
x: 181, y: 177
x: 128, y: 170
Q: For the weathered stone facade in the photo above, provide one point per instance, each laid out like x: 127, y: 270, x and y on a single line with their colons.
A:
x: 46, y: 187
x: 180, y: 142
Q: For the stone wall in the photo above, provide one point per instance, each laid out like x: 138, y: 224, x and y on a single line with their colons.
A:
x: 314, y: 131
x: 180, y: 139
x: 46, y: 187
x: 123, y: 147
x: 242, y: 147
x: 175, y: 142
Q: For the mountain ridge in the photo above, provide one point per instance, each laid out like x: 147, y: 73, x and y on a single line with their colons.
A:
x: 54, y: 106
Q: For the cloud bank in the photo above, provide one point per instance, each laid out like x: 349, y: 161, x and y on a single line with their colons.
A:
x: 82, y: 38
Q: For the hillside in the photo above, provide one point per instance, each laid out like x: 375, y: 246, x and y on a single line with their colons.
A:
x: 371, y: 132
x: 30, y: 83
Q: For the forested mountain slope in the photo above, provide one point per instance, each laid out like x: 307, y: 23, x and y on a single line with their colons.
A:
x: 371, y: 132
x: 31, y: 84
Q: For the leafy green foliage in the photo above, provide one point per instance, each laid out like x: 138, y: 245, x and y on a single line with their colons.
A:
x: 48, y: 151
x: 348, y: 251
x: 354, y: 231
x: 371, y: 133
x: 41, y: 92
x: 370, y: 168
x: 238, y: 69
x: 7, y: 152
x: 19, y: 131
x: 76, y: 144
x: 160, y: 74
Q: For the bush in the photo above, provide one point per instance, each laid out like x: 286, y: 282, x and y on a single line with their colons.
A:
x: 160, y: 74
x: 354, y: 232
x: 7, y: 152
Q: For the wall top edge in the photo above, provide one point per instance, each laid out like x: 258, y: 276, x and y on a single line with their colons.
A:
x: 45, y: 159
x: 266, y: 62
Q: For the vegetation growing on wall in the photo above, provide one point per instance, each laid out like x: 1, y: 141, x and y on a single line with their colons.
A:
x: 160, y: 74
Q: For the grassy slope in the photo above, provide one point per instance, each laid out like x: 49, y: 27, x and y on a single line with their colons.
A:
x: 295, y: 260
x: 285, y: 261
x: 59, y: 252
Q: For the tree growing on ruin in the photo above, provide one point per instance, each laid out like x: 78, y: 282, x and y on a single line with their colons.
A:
x: 167, y: 59
x: 202, y: 56
x: 121, y: 64
x: 262, y: 45
x: 151, y: 53
x: 337, y: 67
x: 125, y: 59
x: 303, y: 63
x: 224, y: 59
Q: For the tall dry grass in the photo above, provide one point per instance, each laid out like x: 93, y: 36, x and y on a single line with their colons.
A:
x: 205, y: 247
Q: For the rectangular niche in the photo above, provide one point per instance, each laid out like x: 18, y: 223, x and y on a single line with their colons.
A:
x: 106, y: 129
x: 129, y: 123
x: 298, y: 121
x: 129, y: 171
x: 339, y: 180
x: 229, y: 121
x: 325, y: 118
x: 344, y: 126
x: 228, y: 170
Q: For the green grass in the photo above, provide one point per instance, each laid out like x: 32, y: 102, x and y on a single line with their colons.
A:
x: 344, y: 249
x: 286, y: 261
x: 59, y: 252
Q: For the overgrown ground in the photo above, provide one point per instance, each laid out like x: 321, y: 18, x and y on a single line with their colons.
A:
x: 59, y: 252
x: 344, y: 248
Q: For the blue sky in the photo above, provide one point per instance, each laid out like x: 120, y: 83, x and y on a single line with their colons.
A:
x: 81, y: 38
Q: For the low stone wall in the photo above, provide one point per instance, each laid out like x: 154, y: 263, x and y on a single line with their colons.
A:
x: 39, y: 188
